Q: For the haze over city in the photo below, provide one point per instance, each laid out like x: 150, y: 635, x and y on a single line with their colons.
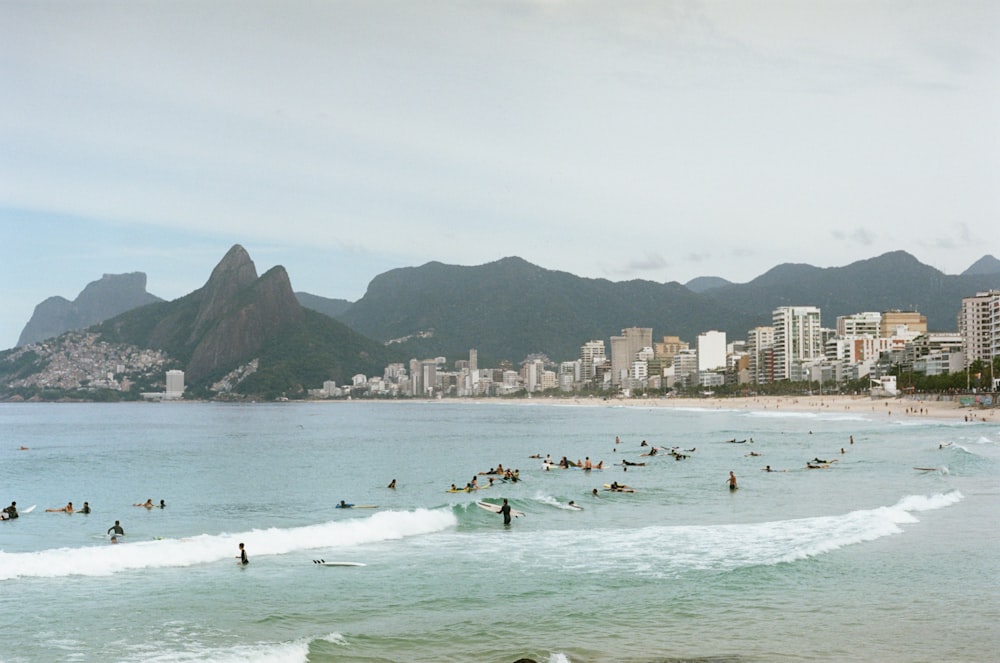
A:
x: 659, y: 141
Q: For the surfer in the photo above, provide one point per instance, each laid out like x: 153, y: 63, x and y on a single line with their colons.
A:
x: 116, y: 528
x: 344, y: 505
x: 505, y: 512
x: 732, y: 481
x: 11, y: 511
x: 243, y: 555
x: 114, y: 539
x: 68, y: 508
x: 86, y: 508
x: 163, y: 505
x: 148, y: 503
x: 768, y: 469
x: 392, y: 484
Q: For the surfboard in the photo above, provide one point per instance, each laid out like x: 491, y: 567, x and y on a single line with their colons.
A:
x: 926, y: 469
x: 356, y: 506
x: 30, y: 509
x: 619, y: 489
x: 574, y: 506
x: 495, y: 508
x: 323, y: 562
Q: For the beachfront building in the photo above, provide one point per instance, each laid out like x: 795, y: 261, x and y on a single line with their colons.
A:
x: 711, y: 351
x: 175, y: 385
x: 667, y: 348
x: 591, y: 356
x: 979, y: 326
x: 760, y: 348
x: 798, y: 341
x: 625, y: 350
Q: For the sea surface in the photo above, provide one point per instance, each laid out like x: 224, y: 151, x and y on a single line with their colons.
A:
x: 868, y: 559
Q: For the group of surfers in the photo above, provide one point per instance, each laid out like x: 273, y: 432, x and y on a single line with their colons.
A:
x: 69, y: 508
x: 505, y: 474
x: 564, y: 463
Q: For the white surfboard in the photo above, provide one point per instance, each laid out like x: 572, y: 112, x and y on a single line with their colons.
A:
x: 323, y: 562
x: 30, y: 509
x: 495, y: 508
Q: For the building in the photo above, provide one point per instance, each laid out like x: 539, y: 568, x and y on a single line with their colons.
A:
x: 798, y: 340
x: 911, y: 320
x: 711, y: 351
x: 666, y: 349
x: 591, y: 356
x: 979, y: 326
x: 175, y: 385
x: 625, y: 349
x: 760, y: 347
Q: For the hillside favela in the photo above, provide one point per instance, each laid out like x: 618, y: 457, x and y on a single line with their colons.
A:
x: 511, y: 329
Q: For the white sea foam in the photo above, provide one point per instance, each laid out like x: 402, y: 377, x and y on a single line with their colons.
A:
x: 677, y: 549
x: 288, y: 652
x: 108, y: 559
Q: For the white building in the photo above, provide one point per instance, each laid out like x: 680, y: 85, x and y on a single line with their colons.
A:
x: 591, y: 356
x: 798, y: 340
x: 979, y: 325
x: 175, y: 385
x: 711, y: 351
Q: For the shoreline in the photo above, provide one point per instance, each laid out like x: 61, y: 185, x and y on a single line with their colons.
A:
x: 888, y: 409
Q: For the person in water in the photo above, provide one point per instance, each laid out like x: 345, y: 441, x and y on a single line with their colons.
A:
x: 505, y: 512
x: 86, y: 508
x: 11, y: 511
x: 148, y: 503
x: 392, y: 484
x: 243, y: 555
x: 732, y: 481
x: 117, y: 528
x: 68, y: 508
x: 163, y: 505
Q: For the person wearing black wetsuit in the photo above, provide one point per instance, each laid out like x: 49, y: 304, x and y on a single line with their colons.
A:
x: 11, y: 511
x: 117, y: 529
x: 243, y: 555
x: 505, y: 512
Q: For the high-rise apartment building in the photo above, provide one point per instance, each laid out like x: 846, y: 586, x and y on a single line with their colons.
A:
x: 711, y: 351
x: 760, y: 347
x: 798, y: 339
x: 591, y: 356
x: 979, y: 325
x: 625, y: 349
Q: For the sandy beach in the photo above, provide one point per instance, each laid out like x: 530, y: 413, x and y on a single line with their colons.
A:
x: 888, y: 408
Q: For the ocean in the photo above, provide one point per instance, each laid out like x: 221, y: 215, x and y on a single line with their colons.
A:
x: 867, y: 559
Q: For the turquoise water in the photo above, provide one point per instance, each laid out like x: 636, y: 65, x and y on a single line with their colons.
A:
x: 868, y: 560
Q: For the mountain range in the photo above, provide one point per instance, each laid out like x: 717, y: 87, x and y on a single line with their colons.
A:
x: 505, y: 309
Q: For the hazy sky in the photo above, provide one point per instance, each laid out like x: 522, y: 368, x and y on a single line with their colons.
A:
x: 620, y: 140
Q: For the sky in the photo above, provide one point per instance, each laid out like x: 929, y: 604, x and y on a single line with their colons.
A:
x: 618, y: 140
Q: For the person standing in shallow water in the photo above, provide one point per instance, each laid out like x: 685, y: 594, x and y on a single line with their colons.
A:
x: 243, y: 555
x: 505, y: 512
x: 732, y: 481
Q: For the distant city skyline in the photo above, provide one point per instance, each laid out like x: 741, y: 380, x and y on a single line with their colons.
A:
x: 661, y: 141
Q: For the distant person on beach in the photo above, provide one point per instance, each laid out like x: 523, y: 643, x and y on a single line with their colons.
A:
x: 148, y: 503
x: 11, y: 511
x: 392, y: 484
x: 243, y: 555
x: 116, y: 528
x: 732, y: 481
x: 68, y: 508
x: 505, y: 512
